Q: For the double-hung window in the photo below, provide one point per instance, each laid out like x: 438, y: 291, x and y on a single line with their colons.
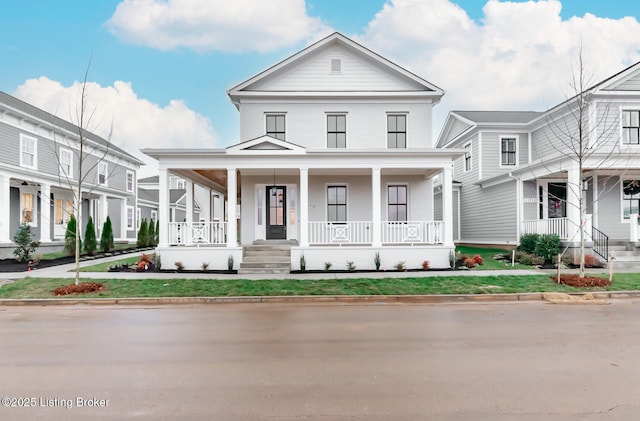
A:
x: 508, y: 151
x: 130, y: 218
x: 337, y: 203
x: 130, y: 181
x: 467, y: 157
x: 336, y: 131
x: 397, y: 203
x: 276, y: 126
x: 396, y: 131
x: 631, y: 127
x: 28, y: 151
x: 66, y: 163
x: 630, y: 198
x: 103, y: 170
x: 27, y: 209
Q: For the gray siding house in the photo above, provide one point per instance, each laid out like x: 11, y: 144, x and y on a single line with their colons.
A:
x: 39, y: 167
x: 520, y: 173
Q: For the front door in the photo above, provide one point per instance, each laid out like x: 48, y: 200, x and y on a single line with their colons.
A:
x: 557, y: 200
x: 276, y: 213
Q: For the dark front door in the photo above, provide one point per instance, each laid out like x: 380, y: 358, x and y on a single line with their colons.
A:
x: 276, y: 213
x: 557, y: 200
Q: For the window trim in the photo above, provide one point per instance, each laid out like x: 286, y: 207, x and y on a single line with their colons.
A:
x: 130, y: 227
x: 138, y: 217
x: 516, y: 141
x: 24, y: 138
x: 34, y: 207
x: 404, y: 114
x: 61, y: 171
x: 336, y: 114
x: 276, y: 114
x: 133, y: 181
x: 623, y: 127
x: 102, y: 165
x: 467, y: 159
x: 406, y: 203
x: 346, y: 204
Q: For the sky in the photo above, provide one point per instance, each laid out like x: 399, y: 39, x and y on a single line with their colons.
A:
x: 158, y: 70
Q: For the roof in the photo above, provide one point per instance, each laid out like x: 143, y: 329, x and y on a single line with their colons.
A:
x: 154, y: 179
x: 509, y: 117
x: 148, y: 195
x: 40, y: 114
x: 176, y: 194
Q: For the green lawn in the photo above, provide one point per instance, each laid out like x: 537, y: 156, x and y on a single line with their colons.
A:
x: 104, y: 266
x: 489, y: 262
x: 120, y: 288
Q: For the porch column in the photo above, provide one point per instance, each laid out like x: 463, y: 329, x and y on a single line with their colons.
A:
x: 304, y: 207
x: 123, y: 224
x: 45, y: 213
x: 104, y: 210
x: 5, y: 210
x: 376, y: 204
x: 573, y: 203
x: 163, y: 207
x: 447, y: 206
x: 189, y: 198
x: 232, y: 201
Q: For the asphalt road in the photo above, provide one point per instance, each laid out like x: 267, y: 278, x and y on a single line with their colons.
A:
x: 515, y: 361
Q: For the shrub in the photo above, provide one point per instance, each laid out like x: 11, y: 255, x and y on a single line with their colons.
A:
x: 205, y: 266
x: 528, y: 243
x: 548, y: 246
x: 25, y: 244
x: 478, y: 259
x: 377, y: 260
x: 143, y: 234
x: 230, y: 262
x: 531, y: 260
x: 327, y: 266
x: 425, y: 265
x: 90, y: 243
x: 151, y: 234
x: 179, y: 266
x: 469, y: 262
x: 401, y: 266
x: 303, y: 263
x: 70, y: 237
x: 106, y: 237
x: 351, y: 266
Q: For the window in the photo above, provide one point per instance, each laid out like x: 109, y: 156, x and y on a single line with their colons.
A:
x: 154, y: 216
x: 397, y: 203
x: 181, y: 184
x: 336, y: 65
x: 396, y: 131
x: 66, y: 163
x: 336, y: 131
x: 103, y: 170
x: 27, y: 209
x: 62, y: 211
x: 337, y: 203
x: 630, y: 197
x: 467, y: 157
x: 508, y: 151
x: 631, y: 127
x: 130, y: 220
x: 138, y: 217
x: 129, y: 181
x: 28, y: 149
x: 275, y: 126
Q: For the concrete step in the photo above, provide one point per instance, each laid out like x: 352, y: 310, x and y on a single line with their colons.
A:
x: 266, y: 271
x: 267, y: 259
x: 268, y: 248
x: 245, y: 265
x: 246, y: 252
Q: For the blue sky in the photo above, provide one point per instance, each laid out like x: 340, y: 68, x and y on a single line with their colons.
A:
x: 164, y: 84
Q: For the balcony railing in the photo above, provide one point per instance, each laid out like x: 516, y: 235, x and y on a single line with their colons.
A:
x: 361, y: 232
x: 197, y: 233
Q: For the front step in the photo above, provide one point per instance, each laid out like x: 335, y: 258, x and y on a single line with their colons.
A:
x: 266, y: 258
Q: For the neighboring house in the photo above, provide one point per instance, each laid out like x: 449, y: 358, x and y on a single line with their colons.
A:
x: 335, y: 158
x: 38, y: 168
x: 518, y: 174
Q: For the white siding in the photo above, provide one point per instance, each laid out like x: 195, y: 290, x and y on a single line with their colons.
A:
x: 489, y: 214
x: 632, y: 84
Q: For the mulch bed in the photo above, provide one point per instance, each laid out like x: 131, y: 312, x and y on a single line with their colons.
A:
x: 81, y: 288
x: 574, y: 280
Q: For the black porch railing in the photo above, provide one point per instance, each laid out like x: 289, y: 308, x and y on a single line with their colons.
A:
x: 600, y: 243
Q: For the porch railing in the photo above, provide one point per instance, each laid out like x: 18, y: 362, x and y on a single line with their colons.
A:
x: 424, y: 232
x: 361, y: 232
x: 197, y: 233
x: 559, y: 226
x: 355, y: 232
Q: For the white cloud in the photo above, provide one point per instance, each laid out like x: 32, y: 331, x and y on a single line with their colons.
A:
x: 134, y: 122
x: 223, y: 25
x: 519, y: 56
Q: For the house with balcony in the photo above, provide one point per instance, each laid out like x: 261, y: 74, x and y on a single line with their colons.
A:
x: 335, y: 162
x: 39, y: 169
x: 528, y: 172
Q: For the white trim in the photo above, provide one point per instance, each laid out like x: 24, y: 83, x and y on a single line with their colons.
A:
x: 621, y: 181
x: 138, y: 218
x: 133, y: 181
x: 516, y: 139
x: 464, y: 157
x: 130, y: 227
x: 61, y: 170
x: 326, y: 200
x: 24, y: 138
x: 276, y: 114
x: 622, y: 108
x: 480, y: 155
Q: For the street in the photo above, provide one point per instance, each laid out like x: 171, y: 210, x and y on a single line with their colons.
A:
x: 312, y: 361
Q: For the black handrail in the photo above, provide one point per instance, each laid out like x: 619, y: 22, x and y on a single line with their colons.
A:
x: 600, y: 243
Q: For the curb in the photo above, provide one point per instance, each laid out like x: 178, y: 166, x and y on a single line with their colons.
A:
x: 346, y: 299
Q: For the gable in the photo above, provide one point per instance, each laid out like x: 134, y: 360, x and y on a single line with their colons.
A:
x: 626, y: 80
x: 630, y: 84
x: 265, y: 144
x: 452, y: 128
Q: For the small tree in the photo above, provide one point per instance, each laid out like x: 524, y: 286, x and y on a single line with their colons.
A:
x: 106, y: 238
x: 90, y: 244
x: 151, y: 235
x: 25, y: 243
x: 71, y: 239
x: 143, y: 234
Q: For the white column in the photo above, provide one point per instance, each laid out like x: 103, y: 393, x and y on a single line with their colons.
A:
x: 447, y: 206
x: 573, y: 204
x: 429, y: 213
x: 232, y: 199
x: 376, y: 203
x: 304, y: 207
x: 189, y: 198
x: 5, y: 210
x: 123, y: 222
x: 104, y: 210
x: 45, y: 213
x: 163, y: 207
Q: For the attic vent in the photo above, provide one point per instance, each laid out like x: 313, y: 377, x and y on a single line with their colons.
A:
x: 336, y: 65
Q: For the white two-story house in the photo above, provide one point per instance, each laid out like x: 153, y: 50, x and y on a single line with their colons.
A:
x: 39, y: 171
x: 521, y: 170
x: 335, y: 158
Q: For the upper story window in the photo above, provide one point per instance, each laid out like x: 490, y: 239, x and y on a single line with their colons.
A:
x: 336, y: 131
x: 396, y: 130
x: 337, y: 203
x: 130, y: 182
x: 28, y: 151
x: 397, y: 203
x: 276, y: 126
x: 467, y: 157
x: 631, y: 127
x: 336, y: 65
x: 66, y: 163
x: 508, y: 150
x: 103, y: 171
x: 181, y: 184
